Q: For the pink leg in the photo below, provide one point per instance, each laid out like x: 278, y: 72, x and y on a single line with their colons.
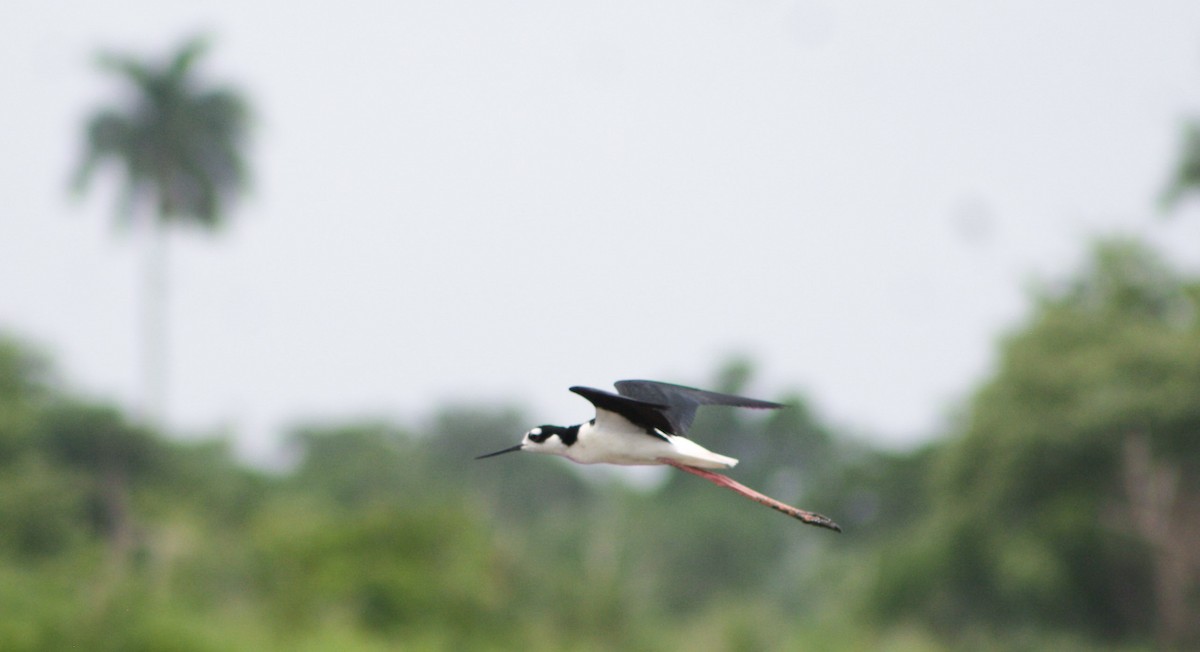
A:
x: 811, y: 518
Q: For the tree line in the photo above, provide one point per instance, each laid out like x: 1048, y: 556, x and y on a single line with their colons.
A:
x: 1060, y: 511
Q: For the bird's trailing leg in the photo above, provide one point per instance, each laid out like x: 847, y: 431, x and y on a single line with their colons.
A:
x: 811, y: 518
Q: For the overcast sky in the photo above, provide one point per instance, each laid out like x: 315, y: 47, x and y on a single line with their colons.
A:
x: 491, y: 201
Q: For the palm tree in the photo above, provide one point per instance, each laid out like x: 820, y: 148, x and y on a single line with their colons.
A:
x: 180, y: 145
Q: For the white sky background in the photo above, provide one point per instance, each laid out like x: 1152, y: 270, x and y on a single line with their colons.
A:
x: 491, y: 201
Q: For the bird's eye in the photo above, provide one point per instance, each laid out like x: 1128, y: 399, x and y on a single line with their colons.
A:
x: 537, y: 435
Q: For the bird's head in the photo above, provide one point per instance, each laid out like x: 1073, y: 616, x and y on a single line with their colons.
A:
x: 552, y: 440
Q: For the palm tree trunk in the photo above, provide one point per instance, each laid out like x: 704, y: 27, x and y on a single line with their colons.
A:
x: 154, y: 326
x: 120, y: 533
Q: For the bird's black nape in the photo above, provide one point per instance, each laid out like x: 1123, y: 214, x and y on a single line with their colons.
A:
x: 510, y: 449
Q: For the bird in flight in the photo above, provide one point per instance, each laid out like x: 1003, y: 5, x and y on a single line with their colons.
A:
x: 645, y: 423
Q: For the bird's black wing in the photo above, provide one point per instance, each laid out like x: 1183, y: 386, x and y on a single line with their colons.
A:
x: 682, y: 401
x: 634, y: 410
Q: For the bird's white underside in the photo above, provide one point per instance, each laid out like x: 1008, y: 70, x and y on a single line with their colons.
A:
x: 615, y: 440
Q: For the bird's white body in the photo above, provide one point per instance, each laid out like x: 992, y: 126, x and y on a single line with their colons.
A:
x: 633, y: 447
x: 613, y: 439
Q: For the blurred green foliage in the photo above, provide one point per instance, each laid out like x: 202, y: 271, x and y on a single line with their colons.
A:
x: 1060, y: 512
x: 1069, y: 500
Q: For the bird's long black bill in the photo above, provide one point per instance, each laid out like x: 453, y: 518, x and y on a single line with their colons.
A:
x: 511, y: 449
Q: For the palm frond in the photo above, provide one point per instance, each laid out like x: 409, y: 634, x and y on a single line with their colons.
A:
x: 108, y: 135
x: 1186, y: 178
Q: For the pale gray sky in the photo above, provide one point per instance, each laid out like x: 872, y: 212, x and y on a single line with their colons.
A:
x: 494, y: 200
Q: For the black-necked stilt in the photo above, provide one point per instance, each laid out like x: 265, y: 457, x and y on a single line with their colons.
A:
x: 646, y: 422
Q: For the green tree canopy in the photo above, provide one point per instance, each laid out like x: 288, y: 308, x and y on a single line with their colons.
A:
x: 1068, y: 501
x: 178, y: 142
